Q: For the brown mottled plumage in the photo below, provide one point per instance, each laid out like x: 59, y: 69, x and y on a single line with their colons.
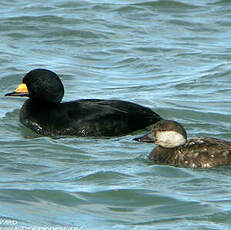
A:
x: 201, y: 152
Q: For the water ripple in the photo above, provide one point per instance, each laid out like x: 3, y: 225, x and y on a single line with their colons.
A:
x: 172, y: 56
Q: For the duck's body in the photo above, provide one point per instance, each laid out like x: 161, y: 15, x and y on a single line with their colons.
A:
x: 198, y: 152
x: 89, y: 117
x: 44, y: 113
x: 174, y: 148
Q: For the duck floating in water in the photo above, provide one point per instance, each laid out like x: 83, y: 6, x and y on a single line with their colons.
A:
x: 174, y: 148
x: 44, y: 113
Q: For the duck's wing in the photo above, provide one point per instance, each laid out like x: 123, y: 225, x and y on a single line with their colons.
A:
x: 206, y: 152
x: 109, y: 117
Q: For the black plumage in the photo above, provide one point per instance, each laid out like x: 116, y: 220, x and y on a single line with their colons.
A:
x: 44, y: 113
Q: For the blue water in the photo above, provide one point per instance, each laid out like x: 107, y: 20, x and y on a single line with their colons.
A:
x: 171, y: 56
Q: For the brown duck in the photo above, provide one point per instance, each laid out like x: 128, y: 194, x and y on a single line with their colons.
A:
x: 199, y: 152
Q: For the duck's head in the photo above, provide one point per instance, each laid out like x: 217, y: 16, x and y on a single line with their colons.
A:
x: 40, y: 84
x: 169, y: 134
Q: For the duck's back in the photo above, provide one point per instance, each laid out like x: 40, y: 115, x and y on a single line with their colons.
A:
x: 207, y: 152
x: 203, y: 152
x: 89, y: 117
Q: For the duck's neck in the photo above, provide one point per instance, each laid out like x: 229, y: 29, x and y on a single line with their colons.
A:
x: 41, y: 102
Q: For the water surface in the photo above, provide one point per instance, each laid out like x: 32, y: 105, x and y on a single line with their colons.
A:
x: 172, y: 56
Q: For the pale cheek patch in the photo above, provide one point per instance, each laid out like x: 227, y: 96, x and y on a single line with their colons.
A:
x: 169, y: 139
